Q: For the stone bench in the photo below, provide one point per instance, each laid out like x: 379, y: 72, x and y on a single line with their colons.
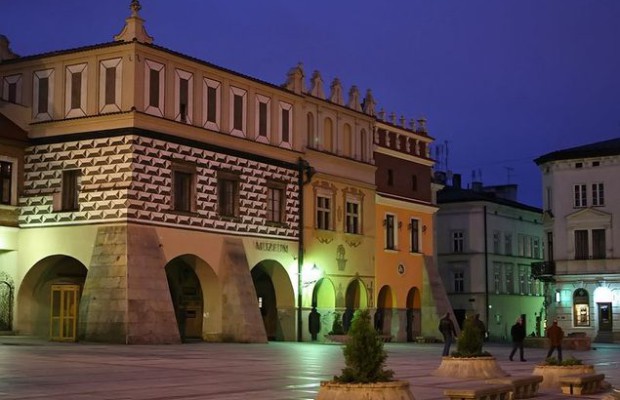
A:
x: 523, y: 387
x: 483, y: 392
x: 581, y: 384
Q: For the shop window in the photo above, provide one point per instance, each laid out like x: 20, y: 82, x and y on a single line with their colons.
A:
x: 581, y: 308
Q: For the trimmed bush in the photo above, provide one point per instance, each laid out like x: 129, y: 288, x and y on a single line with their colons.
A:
x: 364, y: 355
x: 337, y: 328
x: 469, y: 342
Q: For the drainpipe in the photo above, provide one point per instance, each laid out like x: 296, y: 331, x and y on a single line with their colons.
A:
x: 304, y: 175
x: 486, y: 269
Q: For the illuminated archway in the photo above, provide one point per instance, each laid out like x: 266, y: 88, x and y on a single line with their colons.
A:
x: 356, y: 298
x: 34, y: 294
x: 383, y: 315
x: 276, y: 299
x: 321, y: 316
x: 414, y: 314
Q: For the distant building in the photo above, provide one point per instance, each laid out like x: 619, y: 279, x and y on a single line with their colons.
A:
x: 581, y: 210
x: 485, y: 246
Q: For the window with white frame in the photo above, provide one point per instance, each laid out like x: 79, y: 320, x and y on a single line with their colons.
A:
x: 263, y: 118
x: 458, y: 241
x: 581, y: 199
x: 414, y: 231
x: 183, y: 96
x: 43, y: 94
x: 598, y: 194
x: 497, y: 242
x: 523, y: 280
x: 211, y: 104
x: 352, y: 217
x: 497, y: 277
x: 154, y: 76
x: 459, y: 281
x: 599, y: 251
x: 323, y: 212
x: 390, y: 231
x: 536, y: 247
x: 581, y: 245
x: 75, y: 90
x: 509, y: 278
x: 12, y: 88
x: 110, y: 81
x: 238, y: 113
x: 508, y: 244
x: 286, y: 124
x: 276, y: 202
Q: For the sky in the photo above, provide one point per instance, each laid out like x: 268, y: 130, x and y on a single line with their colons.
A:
x: 500, y: 82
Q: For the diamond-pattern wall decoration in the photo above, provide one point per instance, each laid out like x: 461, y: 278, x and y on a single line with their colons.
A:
x: 129, y: 178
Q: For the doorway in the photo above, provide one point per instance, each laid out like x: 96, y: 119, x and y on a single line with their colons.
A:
x: 63, y: 318
x: 605, y: 320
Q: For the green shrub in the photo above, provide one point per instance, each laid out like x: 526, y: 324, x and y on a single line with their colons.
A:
x: 568, y: 362
x: 469, y: 342
x: 364, y: 356
x: 337, y: 328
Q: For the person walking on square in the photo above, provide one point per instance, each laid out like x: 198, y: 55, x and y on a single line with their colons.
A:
x: 555, y: 335
x: 518, y: 335
x: 446, y: 327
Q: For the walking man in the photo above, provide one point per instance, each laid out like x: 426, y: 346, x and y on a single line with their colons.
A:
x: 555, y: 335
x: 518, y: 335
x: 446, y: 327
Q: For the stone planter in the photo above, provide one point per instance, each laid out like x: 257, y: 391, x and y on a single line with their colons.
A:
x: 394, y: 390
x: 551, y: 373
x: 469, y: 367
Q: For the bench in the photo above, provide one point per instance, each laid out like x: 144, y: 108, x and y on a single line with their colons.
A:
x: 581, y: 384
x: 483, y: 392
x: 523, y: 387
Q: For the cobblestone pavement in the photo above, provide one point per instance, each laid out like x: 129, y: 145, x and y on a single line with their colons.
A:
x: 31, y: 369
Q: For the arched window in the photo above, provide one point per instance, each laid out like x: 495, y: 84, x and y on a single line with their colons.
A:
x: 581, y: 307
x: 312, y: 139
x: 328, y: 135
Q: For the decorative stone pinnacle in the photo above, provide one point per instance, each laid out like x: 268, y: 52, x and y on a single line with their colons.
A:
x: 134, y: 27
x: 135, y: 7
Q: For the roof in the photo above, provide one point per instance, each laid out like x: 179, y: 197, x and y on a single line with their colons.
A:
x: 451, y: 194
x: 599, y: 149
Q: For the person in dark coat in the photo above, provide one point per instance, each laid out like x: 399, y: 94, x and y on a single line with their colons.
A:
x: 518, y: 335
x: 446, y: 327
x: 555, y: 335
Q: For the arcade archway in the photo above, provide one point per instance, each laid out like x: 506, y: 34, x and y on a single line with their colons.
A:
x: 414, y: 314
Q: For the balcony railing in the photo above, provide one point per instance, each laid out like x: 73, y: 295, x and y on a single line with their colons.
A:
x: 543, y: 271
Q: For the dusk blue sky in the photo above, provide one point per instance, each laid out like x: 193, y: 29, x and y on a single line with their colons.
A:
x: 500, y: 81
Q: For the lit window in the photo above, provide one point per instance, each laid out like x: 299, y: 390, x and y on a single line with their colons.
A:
x: 581, y: 308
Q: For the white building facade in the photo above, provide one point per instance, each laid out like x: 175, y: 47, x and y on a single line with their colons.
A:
x: 580, y: 196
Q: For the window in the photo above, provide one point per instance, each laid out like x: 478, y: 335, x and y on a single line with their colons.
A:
x: 581, y: 308
x: 228, y: 194
x: 286, y: 124
x: 154, y: 88
x: 211, y: 104
x: 323, y: 212
x: 598, y: 244
x: 238, y: 114
x: 70, y: 190
x: 263, y: 120
x: 580, y: 196
x: 184, y: 96
x: 536, y: 247
x: 521, y: 245
x: 598, y: 194
x: 414, y: 225
x: 497, y: 242
x: 528, y: 246
x: 581, y: 245
x: 110, y: 73
x: 6, y: 182
x: 458, y: 238
x: 497, y: 277
x: 459, y: 282
x: 275, y: 202
x: 508, y: 244
x: 75, y: 90
x: 352, y: 217
x: 390, y: 237
x: 184, y: 191
x: 523, y: 280
x: 12, y: 88
x: 509, y: 278
x: 414, y: 183
x: 390, y: 177
x: 43, y: 95
x: 550, y: 246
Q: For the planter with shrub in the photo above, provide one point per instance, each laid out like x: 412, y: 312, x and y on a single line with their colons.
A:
x: 552, y: 369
